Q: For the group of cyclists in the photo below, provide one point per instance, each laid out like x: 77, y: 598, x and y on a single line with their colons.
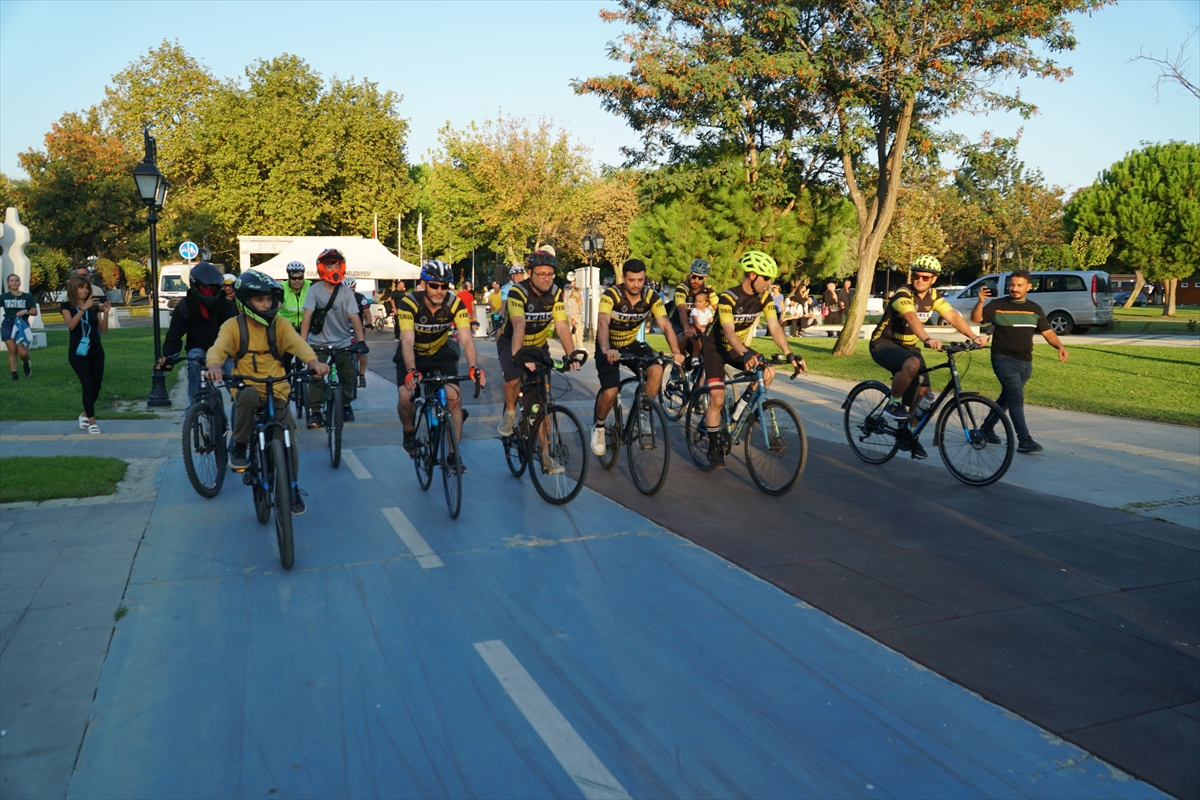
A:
x: 269, y: 327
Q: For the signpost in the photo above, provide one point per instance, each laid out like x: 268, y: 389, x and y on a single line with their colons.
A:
x: 189, y: 250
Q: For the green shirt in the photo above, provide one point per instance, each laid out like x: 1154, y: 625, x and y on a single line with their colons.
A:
x: 16, y: 302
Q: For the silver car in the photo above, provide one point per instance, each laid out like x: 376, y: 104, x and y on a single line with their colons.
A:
x: 1074, y: 300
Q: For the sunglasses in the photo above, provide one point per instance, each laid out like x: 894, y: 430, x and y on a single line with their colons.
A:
x: 436, y: 285
x: 922, y: 276
x: 296, y: 277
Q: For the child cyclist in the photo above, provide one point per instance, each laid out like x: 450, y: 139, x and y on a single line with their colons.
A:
x: 268, y: 337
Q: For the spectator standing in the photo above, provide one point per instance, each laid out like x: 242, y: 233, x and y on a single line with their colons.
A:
x: 1014, y: 320
x: 87, y: 319
x: 17, y: 305
x: 495, y: 299
x: 833, y: 312
x: 467, y: 296
x: 574, y: 303
x: 198, y: 318
x: 843, y: 296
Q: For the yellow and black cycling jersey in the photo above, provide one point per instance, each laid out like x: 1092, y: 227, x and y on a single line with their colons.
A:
x: 625, y: 316
x: 431, y: 329
x: 743, y: 309
x: 894, y: 326
x: 538, y: 310
x: 685, y: 297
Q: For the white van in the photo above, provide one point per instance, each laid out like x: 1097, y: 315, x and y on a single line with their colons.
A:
x: 173, y: 282
x: 1074, y: 300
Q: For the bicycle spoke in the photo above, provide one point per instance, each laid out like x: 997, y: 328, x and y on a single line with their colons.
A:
x: 776, y: 448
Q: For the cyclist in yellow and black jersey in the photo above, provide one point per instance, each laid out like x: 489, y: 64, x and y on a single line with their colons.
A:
x: 533, y: 306
x: 425, y: 319
x: 729, y: 335
x: 685, y: 299
x: 894, y: 343
x: 623, y: 309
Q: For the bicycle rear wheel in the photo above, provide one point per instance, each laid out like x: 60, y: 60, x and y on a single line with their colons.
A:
x: 423, y: 456
x: 451, y: 459
x: 965, y: 451
x: 559, y: 472
x: 281, y: 488
x: 776, y: 448
x: 871, y: 436
x: 649, y: 448
x: 333, y: 425
x: 693, y: 429
x: 204, y: 457
x: 674, y: 393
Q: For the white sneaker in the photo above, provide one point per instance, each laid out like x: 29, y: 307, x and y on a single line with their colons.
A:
x: 508, y: 423
x: 552, y: 467
x: 598, y: 446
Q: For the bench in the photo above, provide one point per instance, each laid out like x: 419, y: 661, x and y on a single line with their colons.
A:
x: 943, y: 332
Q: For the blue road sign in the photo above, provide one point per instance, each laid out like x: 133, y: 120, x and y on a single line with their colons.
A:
x: 189, y: 250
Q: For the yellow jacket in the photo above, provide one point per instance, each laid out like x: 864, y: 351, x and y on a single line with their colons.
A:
x: 258, y: 361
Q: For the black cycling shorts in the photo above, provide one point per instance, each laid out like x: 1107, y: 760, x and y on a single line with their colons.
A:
x: 715, y: 359
x: 610, y: 374
x: 891, y: 355
x: 508, y: 367
x: 444, y: 361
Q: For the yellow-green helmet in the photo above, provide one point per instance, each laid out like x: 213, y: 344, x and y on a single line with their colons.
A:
x: 759, y: 262
x: 926, y: 264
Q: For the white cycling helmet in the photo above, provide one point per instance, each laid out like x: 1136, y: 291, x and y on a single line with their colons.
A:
x: 516, y: 269
x: 350, y: 283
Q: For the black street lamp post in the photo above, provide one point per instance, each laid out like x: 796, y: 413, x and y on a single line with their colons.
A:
x: 152, y: 188
x: 592, y: 243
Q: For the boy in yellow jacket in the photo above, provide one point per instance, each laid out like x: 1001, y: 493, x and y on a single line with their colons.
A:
x: 258, y: 298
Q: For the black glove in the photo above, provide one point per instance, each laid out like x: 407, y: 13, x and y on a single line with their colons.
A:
x: 361, y: 348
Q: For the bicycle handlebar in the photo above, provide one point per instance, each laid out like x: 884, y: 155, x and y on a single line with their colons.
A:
x: 951, y: 348
x: 240, y: 381
x: 439, y: 378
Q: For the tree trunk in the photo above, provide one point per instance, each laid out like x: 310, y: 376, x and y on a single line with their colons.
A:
x: 1139, y: 281
x: 1169, y: 286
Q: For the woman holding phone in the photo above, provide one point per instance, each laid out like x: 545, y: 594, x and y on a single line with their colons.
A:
x: 87, y: 319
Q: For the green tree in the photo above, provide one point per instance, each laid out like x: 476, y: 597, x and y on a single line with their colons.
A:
x: 134, y: 274
x: 1149, y: 202
x: 48, y: 268
x: 790, y: 84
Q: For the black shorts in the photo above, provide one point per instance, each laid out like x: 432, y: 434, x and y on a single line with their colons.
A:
x: 610, y: 374
x: 445, y: 361
x: 509, y: 368
x: 891, y: 355
x: 715, y: 359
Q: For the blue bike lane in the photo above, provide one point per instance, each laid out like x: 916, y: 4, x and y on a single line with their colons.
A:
x: 523, y: 650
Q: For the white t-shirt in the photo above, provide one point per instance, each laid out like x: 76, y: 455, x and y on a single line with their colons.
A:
x: 701, y: 317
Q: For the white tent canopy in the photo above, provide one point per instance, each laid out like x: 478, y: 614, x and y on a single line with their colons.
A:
x: 365, y: 259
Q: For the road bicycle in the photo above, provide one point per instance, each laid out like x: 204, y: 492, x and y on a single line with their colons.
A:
x: 644, y: 432
x: 269, y: 465
x: 334, y: 416
x: 776, y: 446
x: 436, y: 443
x: 958, y: 433
x: 205, y: 428
x: 548, y: 438
x: 679, y: 381
x: 299, y: 397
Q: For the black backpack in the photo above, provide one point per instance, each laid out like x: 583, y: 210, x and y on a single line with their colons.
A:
x: 244, y: 341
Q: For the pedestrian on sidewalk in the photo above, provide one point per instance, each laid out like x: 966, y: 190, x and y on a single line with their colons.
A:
x: 1014, y: 320
x: 87, y: 318
x: 197, y: 320
x: 18, y: 305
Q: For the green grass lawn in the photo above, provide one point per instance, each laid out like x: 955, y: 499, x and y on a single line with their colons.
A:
x: 53, y: 392
x: 36, y: 478
x: 1160, y: 384
x: 1151, y: 320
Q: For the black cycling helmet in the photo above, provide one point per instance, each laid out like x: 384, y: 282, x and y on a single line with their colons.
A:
x: 251, y: 283
x: 540, y: 258
x: 436, y: 271
x: 700, y: 267
x: 205, y: 274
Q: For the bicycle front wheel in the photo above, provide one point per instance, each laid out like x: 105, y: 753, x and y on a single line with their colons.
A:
x: 871, y: 436
x: 281, y: 487
x: 965, y: 451
x: 451, y: 458
x: 204, y: 457
x: 560, y: 469
x: 262, y: 501
x: 423, y: 456
x: 674, y: 393
x: 776, y: 448
x: 333, y: 425
x: 649, y: 447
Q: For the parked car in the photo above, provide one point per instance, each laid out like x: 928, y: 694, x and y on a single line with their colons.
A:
x: 1074, y: 300
x: 1120, y: 298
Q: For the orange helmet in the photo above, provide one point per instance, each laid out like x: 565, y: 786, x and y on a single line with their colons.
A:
x: 331, y: 266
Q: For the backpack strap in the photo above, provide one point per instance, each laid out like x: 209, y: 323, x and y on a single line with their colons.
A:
x: 244, y: 339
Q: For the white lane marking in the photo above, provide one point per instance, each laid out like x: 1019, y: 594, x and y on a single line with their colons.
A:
x: 356, y: 466
x: 412, y: 540
x: 591, y: 776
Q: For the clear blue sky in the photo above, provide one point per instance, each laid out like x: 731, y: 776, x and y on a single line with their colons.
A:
x: 464, y: 61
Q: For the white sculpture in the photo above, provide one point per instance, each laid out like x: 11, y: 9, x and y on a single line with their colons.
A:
x: 13, y: 238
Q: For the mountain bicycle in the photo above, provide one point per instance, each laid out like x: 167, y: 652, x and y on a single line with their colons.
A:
x: 958, y: 434
x: 548, y: 438
x: 436, y: 442
x: 205, y: 428
x: 269, y: 469
x: 299, y: 397
x: 334, y: 416
x: 776, y: 446
x: 679, y: 381
x: 644, y: 432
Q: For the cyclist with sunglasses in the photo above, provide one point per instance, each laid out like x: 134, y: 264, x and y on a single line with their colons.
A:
x: 425, y: 319
x: 685, y: 300
x: 894, y: 343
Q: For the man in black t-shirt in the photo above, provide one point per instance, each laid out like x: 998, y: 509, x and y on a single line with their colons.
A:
x: 1014, y: 320
x: 397, y: 295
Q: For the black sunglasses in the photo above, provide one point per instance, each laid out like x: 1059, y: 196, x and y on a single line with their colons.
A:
x: 436, y: 285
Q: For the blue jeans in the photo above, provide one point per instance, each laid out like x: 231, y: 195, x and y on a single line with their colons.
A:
x: 194, y: 368
x: 1013, y: 373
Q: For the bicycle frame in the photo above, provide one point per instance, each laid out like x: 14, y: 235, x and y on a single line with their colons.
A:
x: 753, y: 403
